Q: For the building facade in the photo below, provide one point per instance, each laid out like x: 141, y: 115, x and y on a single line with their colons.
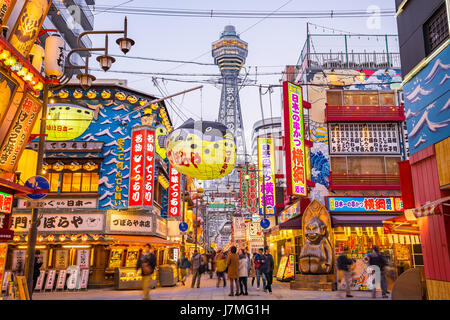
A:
x: 424, y: 37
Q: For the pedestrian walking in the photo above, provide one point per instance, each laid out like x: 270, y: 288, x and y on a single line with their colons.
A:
x: 183, y: 265
x: 345, y: 264
x: 243, y: 272
x: 198, y: 265
x: 267, y: 269
x: 377, y: 259
x: 252, y: 272
x: 210, y: 268
x: 259, y: 274
x: 147, y: 263
x: 233, y: 270
x: 221, y: 266
x: 37, y: 267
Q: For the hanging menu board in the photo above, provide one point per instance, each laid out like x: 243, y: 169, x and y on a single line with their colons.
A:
x: 61, y: 279
x: 40, y: 281
x: 364, y: 138
x: 49, y: 283
x: 84, y: 278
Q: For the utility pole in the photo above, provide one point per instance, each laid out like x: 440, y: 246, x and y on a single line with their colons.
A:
x: 184, y: 179
x: 32, y: 235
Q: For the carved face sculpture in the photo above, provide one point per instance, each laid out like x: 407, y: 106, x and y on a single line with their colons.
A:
x: 315, y: 230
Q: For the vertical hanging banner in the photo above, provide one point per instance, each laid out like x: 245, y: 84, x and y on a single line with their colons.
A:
x: 137, y: 163
x: 174, y: 193
x: 244, y: 187
x: 294, y: 140
x: 19, y: 132
x: 28, y: 25
x: 266, y: 164
x: 142, y: 167
x: 6, y: 202
x: 149, y: 165
x: 252, y: 191
x: 6, y: 6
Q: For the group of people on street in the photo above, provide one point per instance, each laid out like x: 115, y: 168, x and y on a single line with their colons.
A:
x: 238, y: 266
x: 376, y: 259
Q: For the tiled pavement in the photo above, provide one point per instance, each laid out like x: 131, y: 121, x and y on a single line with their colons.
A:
x: 207, y: 291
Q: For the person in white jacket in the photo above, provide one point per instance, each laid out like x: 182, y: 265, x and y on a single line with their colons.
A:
x: 243, y: 272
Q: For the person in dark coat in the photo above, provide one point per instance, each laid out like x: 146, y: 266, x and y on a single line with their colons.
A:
x: 267, y: 268
x: 147, y: 263
x: 37, y: 267
x: 344, y: 264
x: 377, y: 259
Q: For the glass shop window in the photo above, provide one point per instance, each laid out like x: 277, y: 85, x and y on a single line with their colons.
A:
x: 339, y: 165
x: 67, y: 182
x: 334, y: 98
x: 94, y: 182
x: 360, y: 98
x: 365, y: 165
x: 86, y: 182
x: 392, y: 165
x: 76, y: 182
x: 387, y: 99
x: 54, y: 181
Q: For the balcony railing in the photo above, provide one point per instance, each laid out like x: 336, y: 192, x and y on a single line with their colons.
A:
x: 352, y: 60
x: 364, y: 113
x: 364, y: 181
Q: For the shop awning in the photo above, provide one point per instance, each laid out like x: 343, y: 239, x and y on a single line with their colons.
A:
x: 430, y: 208
x: 401, y: 225
x: 358, y: 221
x: 292, y: 223
x: 143, y: 239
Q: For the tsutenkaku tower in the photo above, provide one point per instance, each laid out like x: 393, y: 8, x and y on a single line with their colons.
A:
x: 229, y: 54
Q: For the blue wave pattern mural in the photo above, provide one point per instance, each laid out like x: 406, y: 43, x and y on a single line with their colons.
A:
x: 116, y: 135
x: 427, y: 103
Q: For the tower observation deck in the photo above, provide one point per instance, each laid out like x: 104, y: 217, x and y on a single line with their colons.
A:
x: 229, y: 54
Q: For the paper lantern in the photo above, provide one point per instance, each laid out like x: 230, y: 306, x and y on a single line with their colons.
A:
x: 204, y: 150
x: 5, y: 54
x: 37, y: 56
x: 54, y: 56
x: 67, y: 121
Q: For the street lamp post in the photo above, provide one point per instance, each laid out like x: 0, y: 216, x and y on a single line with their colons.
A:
x: 86, y: 79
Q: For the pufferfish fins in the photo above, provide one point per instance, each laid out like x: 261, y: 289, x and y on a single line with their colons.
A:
x: 162, y: 140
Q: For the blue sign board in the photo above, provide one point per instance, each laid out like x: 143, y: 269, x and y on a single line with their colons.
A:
x: 37, y: 183
x: 183, y: 226
x: 265, y: 223
x: 427, y: 104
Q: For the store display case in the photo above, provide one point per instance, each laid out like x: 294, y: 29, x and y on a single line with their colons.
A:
x: 131, y: 279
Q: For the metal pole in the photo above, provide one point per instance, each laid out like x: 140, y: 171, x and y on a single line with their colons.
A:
x: 196, y: 221
x: 32, y: 235
x: 184, y: 208
x: 264, y: 193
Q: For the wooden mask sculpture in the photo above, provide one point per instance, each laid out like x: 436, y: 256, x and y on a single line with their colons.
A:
x: 316, y: 256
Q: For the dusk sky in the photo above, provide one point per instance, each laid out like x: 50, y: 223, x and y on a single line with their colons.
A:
x: 273, y: 44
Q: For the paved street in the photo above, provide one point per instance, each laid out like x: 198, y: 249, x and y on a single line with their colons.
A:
x: 207, y: 291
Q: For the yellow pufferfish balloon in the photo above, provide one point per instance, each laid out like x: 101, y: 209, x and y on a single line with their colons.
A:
x: 204, y: 150
x: 160, y: 131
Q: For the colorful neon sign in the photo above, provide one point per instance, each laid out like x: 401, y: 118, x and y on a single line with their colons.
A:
x: 364, y: 204
x: 266, y: 164
x: 295, y: 139
x: 149, y: 165
x: 174, y: 193
x: 6, y: 201
x: 137, y: 168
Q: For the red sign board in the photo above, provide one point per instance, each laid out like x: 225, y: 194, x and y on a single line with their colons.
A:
x: 142, y: 167
x: 137, y: 168
x: 174, y: 193
x: 149, y: 167
x: 6, y: 201
x: 6, y: 235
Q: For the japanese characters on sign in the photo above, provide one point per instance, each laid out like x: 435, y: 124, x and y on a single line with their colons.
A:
x: 83, y: 256
x: 3, y: 251
x: 137, y: 168
x: 161, y: 227
x: 6, y: 6
x: 252, y: 191
x: 119, y: 201
x: 6, y: 201
x: 367, y: 138
x: 174, y: 193
x: 255, y: 232
x: 70, y: 146
x: 48, y: 203
x: 119, y: 222
x: 244, y: 188
x: 28, y: 24
x: 239, y: 228
x: 61, y: 258
x: 289, y: 213
x: 365, y: 204
x: 266, y: 161
x: 58, y: 222
x: 142, y: 168
x: 294, y: 140
x: 149, y: 165
x: 19, y: 132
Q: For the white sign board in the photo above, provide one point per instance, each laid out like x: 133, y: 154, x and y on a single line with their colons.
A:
x: 46, y: 203
x: 255, y: 232
x: 6, y: 276
x: 239, y: 228
x: 161, y: 227
x: 18, y: 260
x: 83, y: 256
x: 61, y: 258
x: 40, y: 281
x: 61, y: 279
x: 127, y: 222
x: 49, y: 283
x: 73, y: 281
x: 84, y: 278
x: 59, y: 222
x: 364, y: 138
